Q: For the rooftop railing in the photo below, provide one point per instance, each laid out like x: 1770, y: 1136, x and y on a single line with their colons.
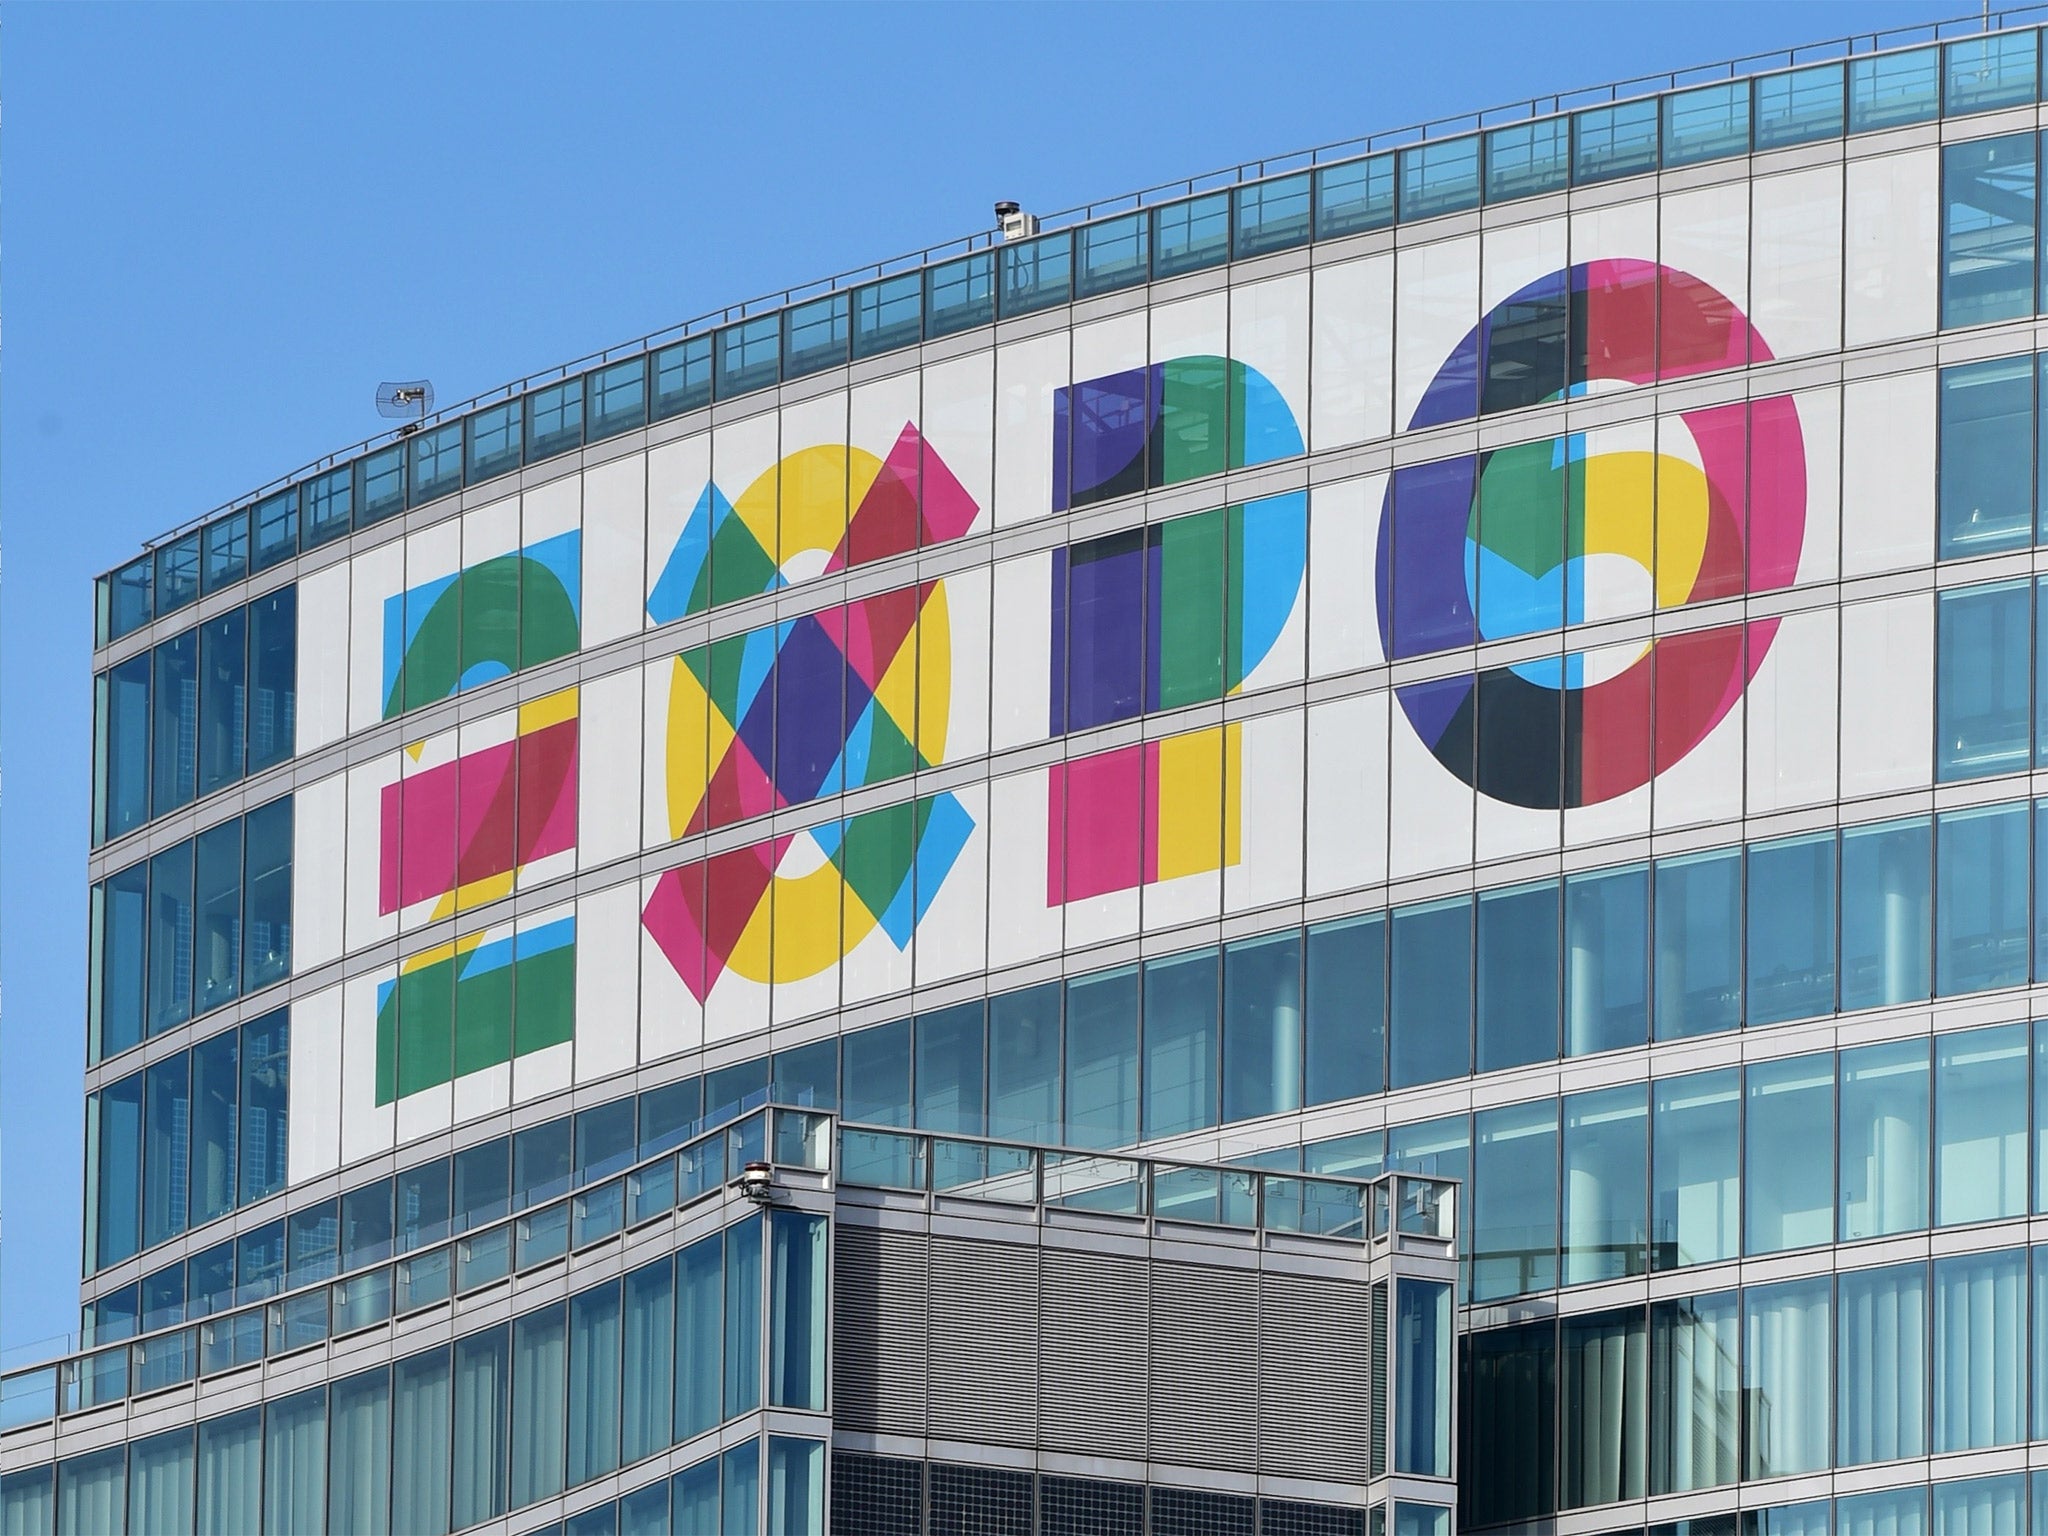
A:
x: 1391, y: 1209
x: 1857, y: 84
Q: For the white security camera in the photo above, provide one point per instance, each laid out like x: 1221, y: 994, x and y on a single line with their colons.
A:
x: 757, y: 1183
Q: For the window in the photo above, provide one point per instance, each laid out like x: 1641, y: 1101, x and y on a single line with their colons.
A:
x: 495, y: 441
x: 1884, y: 1140
x: 1432, y: 993
x: 1190, y: 235
x: 272, y: 690
x: 1614, y: 141
x: 949, y: 1070
x: 960, y: 295
x: 1799, y: 106
x: 170, y: 938
x: 1037, y: 274
x: 1699, y: 944
x: 1695, y: 1177
x: 123, y: 746
x: 1787, y: 1351
x: 1980, y: 1125
x: 1603, y: 1422
x: 217, y: 903
x: 380, y: 485
x: 1982, y: 74
x: 1987, y: 430
x: 1709, y: 123
x: 224, y: 559
x: 815, y: 335
x: 1887, y: 917
x: 539, y: 1390
x: 1024, y: 1064
x: 1881, y: 1364
x: 682, y: 378
x: 215, y: 1090
x: 265, y: 1104
x: 1893, y: 89
x: 1607, y: 957
x: 1102, y: 1059
x: 223, y: 688
x: 1514, y: 1199
x: 796, y: 1341
x: 874, y: 1067
x: 554, y: 419
x: 1518, y: 976
x: 130, y: 599
x: 1791, y: 915
x: 1980, y: 901
x: 1354, y: 196
x: 1789, y: 1144
x: 1988, y: 230
x: 434, y: 463
x: 267, y: 895
x: 174, y: 691
x: 177, y: 574
x: 1606, y: 1195
x: 1346, y: 1018
x: 1528, y: 158
x: 1694, y: 1393
x: 1272, y: 215
x: 1262, y: 1033
x: 888, y: 314
x: 615, y: 399
x: 1422, y: 1375
x: 1980, y: 1344
x: 1181, y: 1045
x: 1114, y: 254
x: 1439, y: 178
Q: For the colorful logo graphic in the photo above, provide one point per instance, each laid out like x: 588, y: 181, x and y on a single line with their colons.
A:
x: 1177, y: 613
x: 1174, y: 421
x: 476, y: 1003
x: 791, y: 523
x: 1702, y: 504
x: 457, y: 833
x: 483, y: 622
x: 814, y: 706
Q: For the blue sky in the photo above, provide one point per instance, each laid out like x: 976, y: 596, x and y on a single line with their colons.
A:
x: 223, y: 226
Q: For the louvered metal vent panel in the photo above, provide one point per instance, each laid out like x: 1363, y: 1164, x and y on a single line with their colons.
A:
x: 1092, y: 1353
x: 984, y: 1341
x: 1205, y: 1366
x: 1379, y: 1378
x: 878, y: 1330
x: 1315, y: 1377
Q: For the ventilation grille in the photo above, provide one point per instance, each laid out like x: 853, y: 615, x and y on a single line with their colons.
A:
x: 1378, y: 1343
x: 1205, y: 1365
x: 1093, y: 1352
x: 984, y: 1329
x: 1315, y: 1377
x: 878, y: 1303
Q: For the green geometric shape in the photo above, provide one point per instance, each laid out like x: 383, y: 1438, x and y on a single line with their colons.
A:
x: 483, y: 1019
x: 1192, y: 438
x: 890, y: 752
x: 1518, y: 512
x: 740, y: 567
x: 425, y: 1000
x: 1191, y: 606
x: 544, y: 998
x: 548, y: 626
x: 876, y: 852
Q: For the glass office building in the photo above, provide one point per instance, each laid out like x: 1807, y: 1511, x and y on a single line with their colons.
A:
x: 1508, y: 654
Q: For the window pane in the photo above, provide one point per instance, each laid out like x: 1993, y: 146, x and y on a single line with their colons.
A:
x: 1884, y: 1139
x: 223, y: 682
x: 482, y: 1372
x: 1706, y: 124
x: 1894, y: 88
x: 421, y: 1443
x: 1509, y: 1426
x: 435, y: 466
x: 593, y: 1383
x: 797, y: 1328
x: 616, y: 397
x: 1614, y: 141
x: 807, y: 1075
x: 231, y: 1474
x: 170, y: 938
x: 1518, y: 980
x: 1181, y: 1047
x: 743, y: 1317
x: 1695, y: 1169
x: 330, y: 504
x: 1102, y: 1059
x: 539, y: 1390
x: 1981, y: 899
x: 1987, y: 231
x: 1607, y: 960
x: 126, y: 751
x: 1699, y: 943
x: 421, y: 1202
x: 605, y: 1142
x: 1980, y: 1349
x: 175, y: 737
x: 1887, y: 917
x: 700, y: 1336
x: 1785, y: 1377
x: 1987, y: 456
x: 215, y: 1082
x: 1985, y: 73
x: 130, y: 601
x: 1357, y: 195
x: 888, y: 314
x: 1791, y: 928
x: 1190, y: 235
x: 177, y: 574
x: 1606, y: 1184
x: 1789, y: 1132
x: 380, y: 485
x: 648, y: 1383
x: 1604, y: 1408
x: 1347, y: 1009
x: 1422, y: 1366
x: 1117, y: 253
x: 1963, y: 1506
x: 267, y: 895
x: 682, y: 378
x: 874, y: 1067
x: 1980, y: 1125
x: 554, y: 419
x: 1262, y: 1026
x: 1439, y: 178
x: 1514, y: 1198
x: 1272, y: 215
x: 359, y: 1454
x: 167, y: 1125
x: 124, y: 937
x: 1432, y: 992
x: 217, y: 947
x: 1024, y: 1064
x: 266, y: 1099
x: 960, y: 295
x: 495, y: 440
x: 1881, y: 1364
x: 1037, y: 274
x: 1799, y: 106
x: 225, y: 557
x: 1694, y: 1393
x: 949, y: 1071
x: 1528, y: 158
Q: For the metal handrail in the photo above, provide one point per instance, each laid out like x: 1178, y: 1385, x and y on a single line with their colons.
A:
x: 1855, y: 45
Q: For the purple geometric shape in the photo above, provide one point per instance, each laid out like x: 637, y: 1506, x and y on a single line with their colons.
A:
x: 1099, y: 650
x: 800, y: 725
x: 1100, y: 428
x: 1423, y: 602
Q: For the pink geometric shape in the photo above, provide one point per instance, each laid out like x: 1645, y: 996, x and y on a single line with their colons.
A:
x: 670, y: 919
x: 948, y: 510
x: 1095, y: 825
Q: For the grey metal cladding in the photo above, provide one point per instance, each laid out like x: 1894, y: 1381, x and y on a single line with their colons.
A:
x: 878, y: 1305
x: 1317, y: 1385
x: 1205, y: 1366
x: 1092, y: 1348
x: 1378, y: 1344
x: 984, y: 1316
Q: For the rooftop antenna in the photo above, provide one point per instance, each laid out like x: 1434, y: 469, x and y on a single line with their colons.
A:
x: 414, y: 399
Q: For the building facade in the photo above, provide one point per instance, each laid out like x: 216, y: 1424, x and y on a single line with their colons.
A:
x: 1509, y: 657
